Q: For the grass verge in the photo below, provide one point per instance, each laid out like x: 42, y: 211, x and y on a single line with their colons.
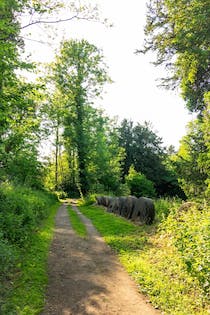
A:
x: 150, y: 256
x: 76, y: 223
x: 29, y: 284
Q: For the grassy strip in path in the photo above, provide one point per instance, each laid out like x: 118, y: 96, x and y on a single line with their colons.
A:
x: 76, y: 223
x: 153, y: 261
x: 27, y: 297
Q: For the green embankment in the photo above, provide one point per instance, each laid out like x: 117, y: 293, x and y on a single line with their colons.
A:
x: 26, y: 229
x: 168, y: 260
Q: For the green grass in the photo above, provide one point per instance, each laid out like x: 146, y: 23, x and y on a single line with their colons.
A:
x: 76, y: 223
x: 150, y: 255
x: 29, y: 283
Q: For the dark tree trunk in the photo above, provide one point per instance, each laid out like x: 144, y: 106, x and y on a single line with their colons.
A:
x: 81, y: 146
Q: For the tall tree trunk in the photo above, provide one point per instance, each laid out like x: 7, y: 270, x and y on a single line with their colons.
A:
x: 83, y: 180
x: 56, y: 156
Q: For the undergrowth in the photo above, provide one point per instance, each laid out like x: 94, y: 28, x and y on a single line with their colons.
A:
x: 26, y: 225
x: 76, y: 223
x: 169, y: 259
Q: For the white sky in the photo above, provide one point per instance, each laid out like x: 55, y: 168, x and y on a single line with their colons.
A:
x: 134, y: 93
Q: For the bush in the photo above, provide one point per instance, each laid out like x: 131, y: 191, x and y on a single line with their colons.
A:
x: 163, y: 207
x: 88, y: 200
x: 22, y: 209
x: 61, y: 194
x: 139, y: 185
x: 188, y: 228
x: 24, y: 288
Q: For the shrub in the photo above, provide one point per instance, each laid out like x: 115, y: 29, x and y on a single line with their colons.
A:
x: 88, y: 200
x: 22, y: 209
x: 25, y: 291
x: 189, y: 231
x: 139, y: 185
x: 164, y: 206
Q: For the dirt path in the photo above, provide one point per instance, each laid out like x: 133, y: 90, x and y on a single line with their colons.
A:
x: 85, y: 277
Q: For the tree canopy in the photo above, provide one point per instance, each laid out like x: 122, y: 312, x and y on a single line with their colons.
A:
x: 79, y: 74
x: 179, y: 32
x: 145, y: 152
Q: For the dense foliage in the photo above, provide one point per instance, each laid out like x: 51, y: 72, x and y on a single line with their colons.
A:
x: 18, y: 120
x: 145, y: 152
x: 139, y: 185
x: 89, y: 137
x: 188, y: 228
x: 192, y: 161
x: 178, y: 31
x: 79, y: 74
x: 21, y: 212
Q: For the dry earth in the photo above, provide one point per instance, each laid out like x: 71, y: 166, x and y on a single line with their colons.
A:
x: 86, y: 278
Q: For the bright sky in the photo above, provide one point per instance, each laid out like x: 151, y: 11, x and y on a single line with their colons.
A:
x: 134, y: 94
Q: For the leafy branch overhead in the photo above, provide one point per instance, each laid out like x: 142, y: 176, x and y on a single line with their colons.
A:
x: 179, y: 33
x: 55, y: 12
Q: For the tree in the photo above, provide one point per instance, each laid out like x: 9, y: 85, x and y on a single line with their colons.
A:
x: 104, y: 153
x: 179, y: 32
x: 52, y: 123
x: 19, y: 117
x: 191, y: 163
x: 206, y: 134
x: 18, y: 108
x: 149, y: 153
x: 9, y: 61
x: 144, y: 150
x: 53, y: 12
x: 80, y: 74
x: 126, y: 141
x: 193, y: 158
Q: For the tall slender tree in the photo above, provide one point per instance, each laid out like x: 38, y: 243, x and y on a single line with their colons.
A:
x: 80, y: 74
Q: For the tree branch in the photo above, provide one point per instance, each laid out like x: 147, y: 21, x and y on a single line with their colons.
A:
x: 49, y: 22
x: 37, y: 41
x: 58, y: 21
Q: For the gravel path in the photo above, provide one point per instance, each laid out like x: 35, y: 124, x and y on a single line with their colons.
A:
x: 86, y: 278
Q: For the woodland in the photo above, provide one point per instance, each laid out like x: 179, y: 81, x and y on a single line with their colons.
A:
x: 93, y: 154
